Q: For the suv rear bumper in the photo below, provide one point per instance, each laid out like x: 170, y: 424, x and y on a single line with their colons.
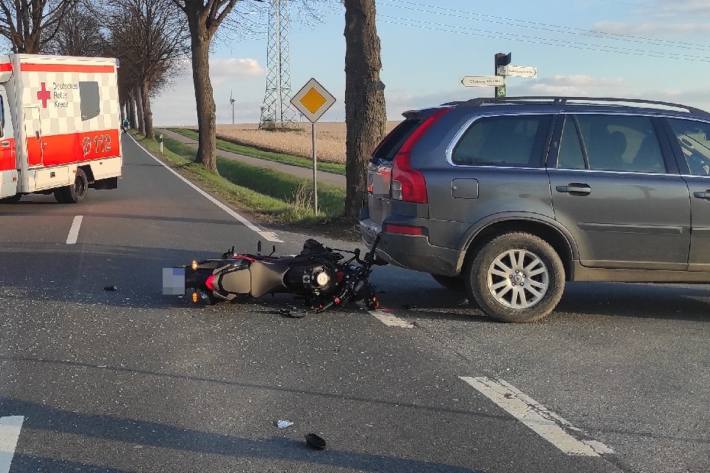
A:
x: 411, y: 252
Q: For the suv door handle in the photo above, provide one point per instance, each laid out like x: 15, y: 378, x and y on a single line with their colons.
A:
x: 703, y: 195
x: 575, y: 189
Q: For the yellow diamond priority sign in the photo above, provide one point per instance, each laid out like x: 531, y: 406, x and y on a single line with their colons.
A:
x: 313, y: 100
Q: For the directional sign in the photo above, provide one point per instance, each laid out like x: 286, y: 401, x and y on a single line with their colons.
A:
x: 529, y: 72
x: 483, y: 81
x: 313, y: 100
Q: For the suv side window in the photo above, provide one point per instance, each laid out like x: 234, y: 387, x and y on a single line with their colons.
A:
x: 571, y: 154
x: 621, y: 143
x: 503, y: 141
x: 694, y: 140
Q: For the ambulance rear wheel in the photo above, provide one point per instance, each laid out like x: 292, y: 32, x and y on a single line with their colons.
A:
x: 75, y: 193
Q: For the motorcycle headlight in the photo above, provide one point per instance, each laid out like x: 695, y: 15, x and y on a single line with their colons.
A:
x: 322, y: 279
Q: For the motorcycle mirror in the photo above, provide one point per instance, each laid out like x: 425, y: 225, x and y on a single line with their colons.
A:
x: 258, y: 247
x: 273, y: 250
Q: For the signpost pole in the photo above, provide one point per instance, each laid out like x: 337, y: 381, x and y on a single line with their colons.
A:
x: 315, y: 167
x: 313, y: 101
x: 501, y: 59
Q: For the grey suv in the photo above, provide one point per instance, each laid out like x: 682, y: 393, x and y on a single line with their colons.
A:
x: 511, y: 198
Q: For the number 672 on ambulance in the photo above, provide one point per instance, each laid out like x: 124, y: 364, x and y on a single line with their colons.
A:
x: 60, y: 126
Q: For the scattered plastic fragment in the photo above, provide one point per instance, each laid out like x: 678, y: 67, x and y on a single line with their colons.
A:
x: 110, y: 288
x: 315, y: 442
x: 283, y: 424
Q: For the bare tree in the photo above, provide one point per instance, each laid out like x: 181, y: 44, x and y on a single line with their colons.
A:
x: 149, y: 39
x: 204, y: 18
x: 365, y: 114
x: 79, y: 34
x: 30, y: 24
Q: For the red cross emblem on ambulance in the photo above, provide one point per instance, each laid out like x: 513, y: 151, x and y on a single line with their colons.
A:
x: 43, y: 95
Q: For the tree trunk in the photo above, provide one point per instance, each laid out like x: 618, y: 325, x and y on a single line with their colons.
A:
x: 139, y: 110
x: 147, y: 113
x: 365, y: 114
x: 131, y: 112
x: 206, y: 111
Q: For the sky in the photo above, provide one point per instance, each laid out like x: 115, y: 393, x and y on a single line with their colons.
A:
x: 653, y: 49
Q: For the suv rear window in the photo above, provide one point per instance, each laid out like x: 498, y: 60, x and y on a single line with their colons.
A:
x: 503, y: 141
x: 394, y: 140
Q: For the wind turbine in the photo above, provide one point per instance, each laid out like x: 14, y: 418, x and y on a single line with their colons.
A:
x: 232, y: 101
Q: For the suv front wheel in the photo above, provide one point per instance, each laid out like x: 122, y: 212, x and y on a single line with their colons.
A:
x: 516, y: 277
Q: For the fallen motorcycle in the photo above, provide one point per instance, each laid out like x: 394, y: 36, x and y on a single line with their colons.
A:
x: 322, y: 276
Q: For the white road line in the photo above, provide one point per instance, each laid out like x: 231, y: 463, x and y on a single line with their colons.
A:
x: 74, y: 230
x: 390, y: 320
x: 9, y: 434
x: 267, y: 235
x: 537, y: 417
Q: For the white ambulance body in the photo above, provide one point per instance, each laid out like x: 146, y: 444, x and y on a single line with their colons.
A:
x: 60, y: 119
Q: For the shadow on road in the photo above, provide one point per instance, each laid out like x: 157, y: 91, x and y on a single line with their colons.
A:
x: 422, y: 298
x: 153, y: 434
x: 79, y: 274
x: 22, y: 463
x: 64, y: 273
x: 64, y: 365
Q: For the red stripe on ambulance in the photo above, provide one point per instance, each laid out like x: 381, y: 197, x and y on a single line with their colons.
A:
x: 73, y: 147
x: 33, y: 67
x: 7, y: 154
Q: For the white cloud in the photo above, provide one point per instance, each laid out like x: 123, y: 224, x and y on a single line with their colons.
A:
x: 682, y: 7
x: 651, y: 28
x: 223, y: 69
x: 580, y: 85
x: 244, y: 77
x: 573, y: 85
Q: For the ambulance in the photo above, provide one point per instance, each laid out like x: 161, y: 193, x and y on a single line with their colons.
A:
x: 60, y: 126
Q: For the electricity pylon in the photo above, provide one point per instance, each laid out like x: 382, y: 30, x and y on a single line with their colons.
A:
x: 277, y: 111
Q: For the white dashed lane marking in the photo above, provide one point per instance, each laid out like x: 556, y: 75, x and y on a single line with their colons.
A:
x: 537, y: 417
x: 9, y: 434
x: 390, y: 320
x: 74, y: 230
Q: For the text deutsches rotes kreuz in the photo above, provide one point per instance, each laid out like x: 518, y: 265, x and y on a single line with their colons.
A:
x: 61, y: 93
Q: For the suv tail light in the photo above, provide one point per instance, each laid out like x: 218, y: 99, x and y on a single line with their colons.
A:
x: 408, y: 184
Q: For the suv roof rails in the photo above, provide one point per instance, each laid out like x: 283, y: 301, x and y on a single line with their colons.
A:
x: 562, y: 101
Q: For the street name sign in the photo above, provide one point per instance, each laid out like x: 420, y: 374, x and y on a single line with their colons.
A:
x: 313, y: 100
x: 529, y: 72
x: 483, y: 81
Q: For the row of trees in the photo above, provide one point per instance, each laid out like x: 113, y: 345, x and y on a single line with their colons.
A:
x: 150, y: 37
x: 147, y: 36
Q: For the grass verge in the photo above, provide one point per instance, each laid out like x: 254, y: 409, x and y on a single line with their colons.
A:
x: 246, y: 150
x: 278, y: 198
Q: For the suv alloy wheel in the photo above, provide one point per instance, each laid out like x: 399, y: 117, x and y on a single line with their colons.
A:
x: 516, y: 277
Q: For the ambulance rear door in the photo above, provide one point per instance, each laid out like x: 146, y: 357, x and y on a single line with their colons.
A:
x: 33, y: 136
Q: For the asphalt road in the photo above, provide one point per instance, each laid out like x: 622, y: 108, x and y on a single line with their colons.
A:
x: 130, y: 380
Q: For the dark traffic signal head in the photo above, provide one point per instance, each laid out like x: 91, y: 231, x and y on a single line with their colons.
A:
x: 503, y: 59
